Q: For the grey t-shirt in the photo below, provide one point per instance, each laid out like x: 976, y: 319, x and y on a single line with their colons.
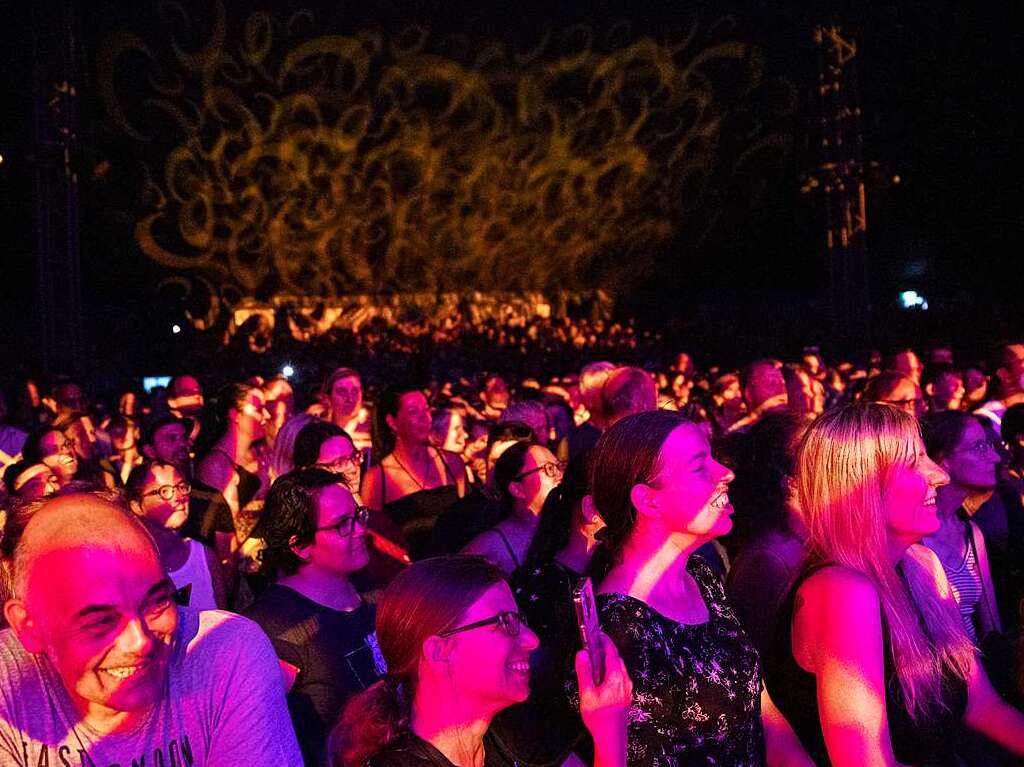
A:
x: 224, y: 705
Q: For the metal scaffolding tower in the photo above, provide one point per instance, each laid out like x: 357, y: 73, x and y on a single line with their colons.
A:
x: 840, y: 179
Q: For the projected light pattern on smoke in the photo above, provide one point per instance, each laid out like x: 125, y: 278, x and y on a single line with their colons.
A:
x: 322, y: 164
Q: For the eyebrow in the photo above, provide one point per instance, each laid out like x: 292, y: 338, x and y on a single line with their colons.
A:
x: 90, y: 610
x: 702, y: 455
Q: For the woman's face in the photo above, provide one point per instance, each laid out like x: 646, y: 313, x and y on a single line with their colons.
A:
x: 972, y: 463
x: 346, y: 396
x: 455, y: 439
x: 487, y: 664
x: 691, y: 489
x: 253, y: 415
x: 59, y: 455
x: 171, y: 511
x: 909, y: 493
x: 411, y: 424
x: 540, y: 474
x: 340, y: 456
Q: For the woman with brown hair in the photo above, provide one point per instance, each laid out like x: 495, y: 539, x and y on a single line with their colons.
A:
x: 699, y: 694
x: 458, y: 652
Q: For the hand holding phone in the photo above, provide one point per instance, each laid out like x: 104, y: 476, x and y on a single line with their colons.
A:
x: 590, y: 628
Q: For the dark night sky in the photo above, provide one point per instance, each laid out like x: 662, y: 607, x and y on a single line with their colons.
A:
x: 940, y: 91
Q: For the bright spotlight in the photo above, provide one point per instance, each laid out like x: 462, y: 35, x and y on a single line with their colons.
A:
x: 911, y: 299
x: 287, y: 371
x: 175, y: 329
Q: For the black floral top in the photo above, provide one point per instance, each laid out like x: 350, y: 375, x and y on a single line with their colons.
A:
x: 696, y: 688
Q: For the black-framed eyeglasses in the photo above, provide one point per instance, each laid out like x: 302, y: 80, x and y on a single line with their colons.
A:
x: 166, y: 492
x: 343, y: 462
x: 347, y: 524
x: 904, y: 403
x: 509, y: 620
x: 551, y: 469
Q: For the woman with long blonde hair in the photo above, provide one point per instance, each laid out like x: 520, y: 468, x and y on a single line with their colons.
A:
x: 872, y: 664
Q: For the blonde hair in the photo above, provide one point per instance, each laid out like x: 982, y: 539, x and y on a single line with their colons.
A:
x: 843, y: 465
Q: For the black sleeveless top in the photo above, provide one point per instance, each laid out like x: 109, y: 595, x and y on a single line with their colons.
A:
x: 416, y: 513
x: 923, y: 744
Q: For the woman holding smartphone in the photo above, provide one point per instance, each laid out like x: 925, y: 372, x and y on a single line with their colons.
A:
x: 699, y: 697
x: 458, y: 652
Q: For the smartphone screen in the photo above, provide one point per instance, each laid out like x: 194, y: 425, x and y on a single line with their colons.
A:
x: 586, y: 619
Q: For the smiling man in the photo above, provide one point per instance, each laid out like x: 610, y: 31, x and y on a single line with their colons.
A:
x: 100, y: 667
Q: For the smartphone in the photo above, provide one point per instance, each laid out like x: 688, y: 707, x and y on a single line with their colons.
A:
x: 590, y: 628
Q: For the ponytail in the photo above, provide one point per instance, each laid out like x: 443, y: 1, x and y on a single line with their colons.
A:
x: 370, y: 722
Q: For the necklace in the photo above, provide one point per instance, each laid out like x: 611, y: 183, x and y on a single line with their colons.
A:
x: 403, y: 467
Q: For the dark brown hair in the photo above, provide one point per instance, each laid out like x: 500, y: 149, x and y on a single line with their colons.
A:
x: 627, y: 454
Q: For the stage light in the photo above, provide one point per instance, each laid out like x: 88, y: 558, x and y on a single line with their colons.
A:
x: 175, y: 329
x: 911, y: 299
x: 1, y: 159
x: 287, y: 371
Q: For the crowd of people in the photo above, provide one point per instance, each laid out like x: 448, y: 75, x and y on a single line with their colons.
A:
x: 794, y: 563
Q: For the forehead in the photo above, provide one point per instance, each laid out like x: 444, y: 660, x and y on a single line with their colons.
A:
x: 346, y: 383
x: 163, y: 475
x: 905, y: 389
x: 334, y: 502
x: 170, y: 431
x: 412, y: 400
x: 69, y: 579
x: 538, y: 455
x: 684, y: 444
x: 338, y: 444
x: 52, y: 439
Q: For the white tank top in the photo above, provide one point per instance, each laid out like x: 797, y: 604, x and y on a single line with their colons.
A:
x: 196, y: 572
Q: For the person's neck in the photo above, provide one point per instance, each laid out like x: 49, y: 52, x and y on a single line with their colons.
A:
x: 169, y: 543
x: 106, y: 721
x: 577, y: 552
x: 653, y: 568
x: 412, y: 453
x: 328, y: 589
x: 342, y: 420
x: 235, y: 444
x: 949, y: 499
x: 442, y: 719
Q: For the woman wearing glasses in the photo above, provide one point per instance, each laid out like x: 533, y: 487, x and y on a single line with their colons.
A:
x: 523, y: 477
x: 321, y: 629
x: 957, y: 442
x: 322, y: 443
x: 457, y: 653
x: 158, y: 494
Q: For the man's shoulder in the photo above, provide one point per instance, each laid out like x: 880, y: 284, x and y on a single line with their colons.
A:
x: 207, y: 634
x: 15, y: 660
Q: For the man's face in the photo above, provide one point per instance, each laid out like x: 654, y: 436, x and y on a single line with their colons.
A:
x: 83, y: 433
x: 948, y: 391
x: 59, y: 455
x: 105, y: 617
x: 908, y: 363
x: 172, y: 444
x: 1011, y: 375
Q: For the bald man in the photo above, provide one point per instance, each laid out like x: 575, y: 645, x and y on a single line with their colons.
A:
x: 100, y: 667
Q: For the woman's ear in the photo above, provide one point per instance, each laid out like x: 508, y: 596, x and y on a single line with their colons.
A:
x: 645, y: 500
x: 301, y: 551
x: 436, y: 650
x: 589, y: 511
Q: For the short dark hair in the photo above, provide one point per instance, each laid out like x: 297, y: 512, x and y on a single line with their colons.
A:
x: 289, y: 517
x: 934, y: 371
x: 943, y: 431
x: 311, y: 438
x: 1013, y: 424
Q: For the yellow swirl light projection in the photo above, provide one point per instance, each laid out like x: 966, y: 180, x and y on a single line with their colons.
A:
x: 323, y: 164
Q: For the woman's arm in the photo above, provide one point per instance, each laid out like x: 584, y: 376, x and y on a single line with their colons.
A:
x: 782, y: 744
x: 837, y: 636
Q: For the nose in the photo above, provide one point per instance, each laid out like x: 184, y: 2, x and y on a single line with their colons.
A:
x: 527, y: 639
x: 136, y: 639
x: 727, y: 475
x: 937, y: 475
